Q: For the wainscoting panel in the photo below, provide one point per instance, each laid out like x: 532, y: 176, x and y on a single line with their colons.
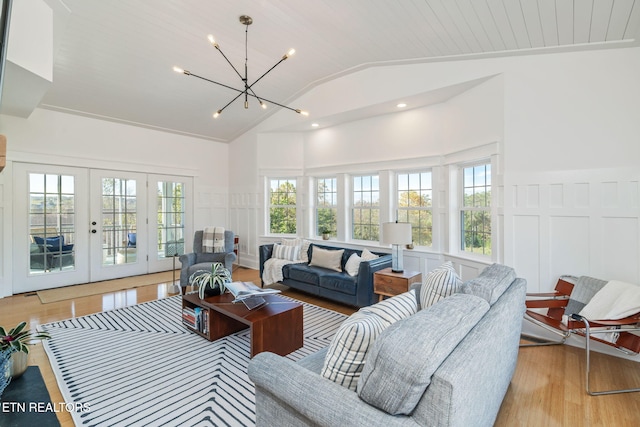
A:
x: 585, y: 222
x: 568, y: 246
x: 244, y: 221
x: 526, y: 230
x: 619, y: 249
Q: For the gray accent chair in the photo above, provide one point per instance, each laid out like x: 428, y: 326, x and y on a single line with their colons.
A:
x: 199, y: 260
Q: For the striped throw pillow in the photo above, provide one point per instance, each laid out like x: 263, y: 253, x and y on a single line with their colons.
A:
x: 291, y: 253
x: 347, y: 352
x: 304, y: 247
x: 439, y: 283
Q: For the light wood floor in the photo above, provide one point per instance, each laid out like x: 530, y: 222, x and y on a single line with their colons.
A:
x: 547, y: 388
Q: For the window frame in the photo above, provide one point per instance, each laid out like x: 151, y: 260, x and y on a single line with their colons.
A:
x: 271, y: 206
x: 486, y: 209
x: 377, y: 207
x: 428, y: 209
x: 317, y: 206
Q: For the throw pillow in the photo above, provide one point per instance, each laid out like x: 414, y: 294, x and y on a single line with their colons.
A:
x: 439, y: 283
x: 367, y: 255
x: 331, y: 259
x: 291, y: 253
x: 401, y: 362
x: 353, y: 265
x: 346, y: 354
x: 304, y: 247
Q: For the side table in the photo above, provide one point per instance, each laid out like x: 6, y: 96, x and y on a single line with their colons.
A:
x: 386, y: 283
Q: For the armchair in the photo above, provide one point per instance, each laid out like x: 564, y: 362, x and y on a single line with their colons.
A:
x: 200, y: 260
x: 562, y: 317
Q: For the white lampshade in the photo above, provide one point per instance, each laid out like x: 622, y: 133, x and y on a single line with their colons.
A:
x: 396, y: 233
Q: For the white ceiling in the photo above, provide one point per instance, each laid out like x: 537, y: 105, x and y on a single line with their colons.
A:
x: 114, y: 59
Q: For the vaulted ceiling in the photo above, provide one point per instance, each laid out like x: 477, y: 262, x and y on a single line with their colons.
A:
x: 113, y: 59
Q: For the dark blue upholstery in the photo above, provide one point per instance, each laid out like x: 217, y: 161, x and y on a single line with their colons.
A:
x: 337, y: 286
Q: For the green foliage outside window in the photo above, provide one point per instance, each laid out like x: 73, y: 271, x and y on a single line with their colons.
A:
x: 414, y: 205
x: 366, y: 208
x: 475, y: 216
x: 326, y: 211
x: 282, y: 206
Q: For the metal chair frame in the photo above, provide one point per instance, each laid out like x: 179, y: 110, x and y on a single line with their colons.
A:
x: 578, y: 325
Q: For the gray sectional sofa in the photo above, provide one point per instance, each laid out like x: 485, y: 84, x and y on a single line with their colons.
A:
x: 335, y: 285
x: 465, y: 389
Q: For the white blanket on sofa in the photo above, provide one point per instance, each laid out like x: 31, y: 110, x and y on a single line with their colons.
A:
x: 272, y: 272
x: 616, y: 300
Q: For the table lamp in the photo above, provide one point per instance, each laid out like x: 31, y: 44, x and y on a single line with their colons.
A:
x: 397, y: 234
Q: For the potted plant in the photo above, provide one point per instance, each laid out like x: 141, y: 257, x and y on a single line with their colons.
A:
x: 16, y: 343
x: 325, y: 232
x: 212, y: 282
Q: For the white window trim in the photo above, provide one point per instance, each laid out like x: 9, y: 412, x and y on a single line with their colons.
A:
x: 457, y: 224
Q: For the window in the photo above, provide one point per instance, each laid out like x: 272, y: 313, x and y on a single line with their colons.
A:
x: 170, y: 219
x: 326, y: 206
x: 475, y: 215
x: 282, y: 206
x: 51, y: 222
x: 365, y: 212
x: 415, y: 195
x: 119, y: 220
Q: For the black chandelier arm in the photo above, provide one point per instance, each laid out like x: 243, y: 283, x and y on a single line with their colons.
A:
x: 189, y: 73
x: 240, y: 92
x: 215, y: 82
x: 229, y: 103
x: 268, y: 71
x: 237, y: 72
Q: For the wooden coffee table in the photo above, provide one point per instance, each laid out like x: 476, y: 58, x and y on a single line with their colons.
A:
x: 275, y: 326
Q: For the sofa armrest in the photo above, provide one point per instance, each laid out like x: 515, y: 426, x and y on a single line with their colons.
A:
x: 365, y: 294
x: 318, y: 400
x: 265, y: 252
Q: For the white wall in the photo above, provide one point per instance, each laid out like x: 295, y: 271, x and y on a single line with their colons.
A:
x: 567, y: 127
x: 50, y: 137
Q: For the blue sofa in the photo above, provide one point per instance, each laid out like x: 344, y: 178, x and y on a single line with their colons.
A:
x: 337, y: 286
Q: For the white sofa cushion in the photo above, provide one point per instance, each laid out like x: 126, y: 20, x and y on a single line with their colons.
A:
x: 331, y: 259
x: 353, y: 265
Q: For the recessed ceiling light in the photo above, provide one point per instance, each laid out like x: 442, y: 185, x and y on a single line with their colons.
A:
x: 401, y: 105
x: 315, y: 125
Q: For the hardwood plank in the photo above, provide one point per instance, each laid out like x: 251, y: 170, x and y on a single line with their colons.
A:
x: 547, y: 388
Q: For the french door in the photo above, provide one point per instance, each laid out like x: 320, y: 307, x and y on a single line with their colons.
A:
x: 87, y: 225
x: 50, y: 237
x: 118, y: 224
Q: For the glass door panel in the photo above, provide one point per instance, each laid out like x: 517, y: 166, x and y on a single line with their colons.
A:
x: 170, y: 213
x: 117, y: 247
x: 51, y: 223
x: 119, y: 221
x: 168, y: 224
x: 55, y: 250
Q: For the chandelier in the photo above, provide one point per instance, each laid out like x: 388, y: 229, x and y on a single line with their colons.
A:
x: 248, y: 88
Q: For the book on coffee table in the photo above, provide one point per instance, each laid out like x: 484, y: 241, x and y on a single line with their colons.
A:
x: 246, y: 290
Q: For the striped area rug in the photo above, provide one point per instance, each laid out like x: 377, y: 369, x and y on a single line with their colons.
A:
x: 138, y: 366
